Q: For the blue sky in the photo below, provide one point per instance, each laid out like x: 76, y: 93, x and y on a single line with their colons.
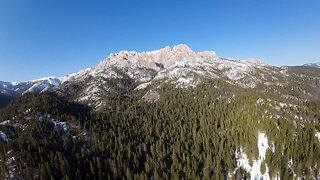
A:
x: 56, y: 37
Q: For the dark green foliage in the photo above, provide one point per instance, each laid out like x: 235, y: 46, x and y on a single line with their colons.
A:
x: 45, y: 102
x: 4, y: 100
x: 190, y: 133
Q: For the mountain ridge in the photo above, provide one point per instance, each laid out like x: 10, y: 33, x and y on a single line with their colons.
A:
x: 178, y: 65
x: 316, y: 64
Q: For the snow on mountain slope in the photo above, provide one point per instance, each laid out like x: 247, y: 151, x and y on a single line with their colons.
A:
x: 3, y: 136
x: 136, y: 67
x: 178, y: 62
x: 43, y: 84
x: 178, y: 65
x: 313, y: 64
x: 16, y: 89
x: 192, y: 67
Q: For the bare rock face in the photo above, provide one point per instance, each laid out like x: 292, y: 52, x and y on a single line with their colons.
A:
x: 166, y: 56
x: 255, y: 61
x: 151, y: 96
x: 207, y: 54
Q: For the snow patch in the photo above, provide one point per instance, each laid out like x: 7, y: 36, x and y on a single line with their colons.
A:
x: 143, y: 86
x: 57, y: 124
x: 11, y: 123
x: 3, y: 136
x: 318, y: 135
x: 12, y: 167
x: 254, y: 170
x: 260, y: 101
x: 185, y: 82
x: 60, y: 126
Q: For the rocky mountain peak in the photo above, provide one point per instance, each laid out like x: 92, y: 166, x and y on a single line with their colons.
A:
x: 255, y: 61
x: 166, y: 56
x: 183, y: 49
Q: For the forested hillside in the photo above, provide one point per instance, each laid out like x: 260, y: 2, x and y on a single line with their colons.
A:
x: 4, y: 100
x: 212, y: 131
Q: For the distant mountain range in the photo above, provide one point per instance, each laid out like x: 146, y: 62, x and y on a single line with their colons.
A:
x: 313, y: 64
x: 16, y: 89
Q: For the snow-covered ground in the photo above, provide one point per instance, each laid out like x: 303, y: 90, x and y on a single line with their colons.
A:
x: 3, y: 136
x: 57, y: 124
x: 254, y: 170
x: 13, y: 172
x: 318, y: 136
x: 60, y: 126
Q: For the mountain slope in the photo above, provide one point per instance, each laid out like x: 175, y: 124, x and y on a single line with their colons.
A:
x: 11, y: 90
x: 4, y: 100
x: 183, y: 67
x: 317, y: 65
x: 16, y: 89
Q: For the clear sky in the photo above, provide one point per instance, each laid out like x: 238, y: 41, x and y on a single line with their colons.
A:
x: 56, y: 37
